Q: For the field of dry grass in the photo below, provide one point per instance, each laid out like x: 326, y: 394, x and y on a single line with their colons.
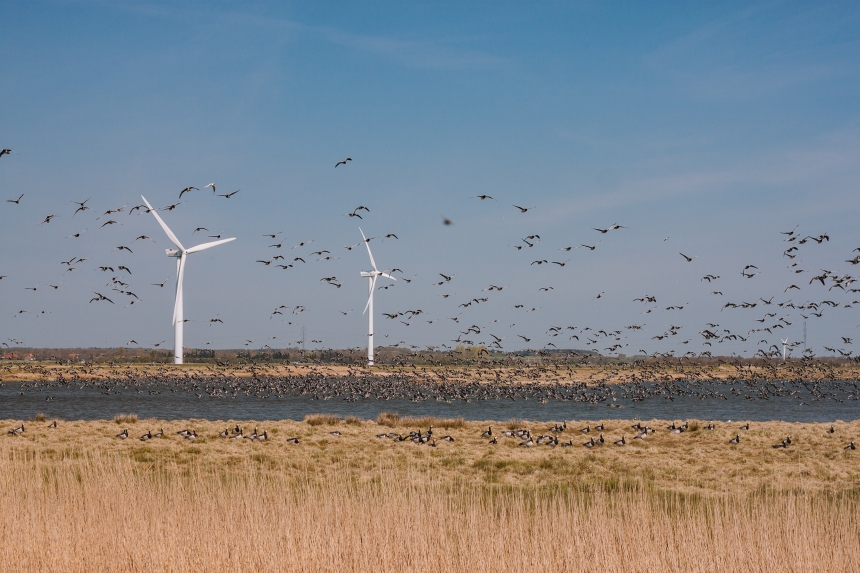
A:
x: 76, y: 498
x: 530, y: 371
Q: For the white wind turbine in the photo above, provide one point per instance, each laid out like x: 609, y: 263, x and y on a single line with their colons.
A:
x: 784, y: 342
x: 179, y: 255
x: 372, y: 276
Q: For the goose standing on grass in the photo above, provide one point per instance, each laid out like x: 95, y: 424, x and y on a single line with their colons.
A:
x: 448, y: 438
x: 745, y: 426
x: 53, y: 424
x: 831, y: 430
x: 17, y: 431
x: 736, y: 439
x: 159, y: 434
x: 263, y: 437
x: 191, y: 435
x: 225, y: 433
x: 146, y: 436
x: 621, y: 442
x: 488, y: 433
x: 236, y: 435
x: 292, y: 440
x: 123, y: 435
x: 851, y: 446
x: 590, y: 443
x: 600, y: 440
x: 599, y: 427
x: 529, y: 442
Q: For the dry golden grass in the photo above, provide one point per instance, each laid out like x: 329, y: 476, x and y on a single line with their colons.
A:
x: 490, y: 373
x: 76, y: 498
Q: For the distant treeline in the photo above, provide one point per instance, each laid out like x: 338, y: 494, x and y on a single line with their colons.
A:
x: 389, y: 356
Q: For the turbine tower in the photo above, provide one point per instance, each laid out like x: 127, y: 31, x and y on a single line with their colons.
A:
x: 371, y: 276
x: 784, y: 342
x: 179, y: 254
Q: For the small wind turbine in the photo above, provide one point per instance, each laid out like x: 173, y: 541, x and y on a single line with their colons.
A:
x: 784, y: 342
x: 179, y: 255
x: 372, y: 276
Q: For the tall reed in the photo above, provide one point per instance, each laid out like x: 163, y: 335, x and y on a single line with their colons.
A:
x: 103, y: 512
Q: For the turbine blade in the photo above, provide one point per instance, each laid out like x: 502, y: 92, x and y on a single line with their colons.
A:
x: 205, y: 246
x: 366, y: 244
x: 370, y: 298
x: 179, y: 276
x: 164, y: 226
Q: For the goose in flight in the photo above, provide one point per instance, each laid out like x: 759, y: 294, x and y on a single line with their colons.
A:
x: 342, y: 162
x: 16, y: 201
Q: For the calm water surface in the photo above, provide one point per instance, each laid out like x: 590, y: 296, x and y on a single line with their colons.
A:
x: 23, y: 401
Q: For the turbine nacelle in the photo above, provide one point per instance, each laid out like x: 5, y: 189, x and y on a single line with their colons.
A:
x: 173, y: 252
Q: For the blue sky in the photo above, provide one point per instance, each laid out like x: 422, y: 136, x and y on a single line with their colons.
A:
x: 717, y: 125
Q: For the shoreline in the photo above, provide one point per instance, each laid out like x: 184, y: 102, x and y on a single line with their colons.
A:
x: 488, y: 374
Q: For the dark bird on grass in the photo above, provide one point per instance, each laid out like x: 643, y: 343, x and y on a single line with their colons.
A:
x: 736, y: 439
x: 16, y: 201
x: 123, y: 435
x: 342, y: 162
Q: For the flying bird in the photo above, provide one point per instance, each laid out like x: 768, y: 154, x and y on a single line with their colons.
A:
x: 523, y: 209
x: 342, y: 162
x: 188, y: 190
x: 16, y: 201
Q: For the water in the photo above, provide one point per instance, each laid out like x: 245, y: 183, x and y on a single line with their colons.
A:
x: 838, y: 401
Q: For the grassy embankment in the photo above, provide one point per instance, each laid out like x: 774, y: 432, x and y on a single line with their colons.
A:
x: 77, y: 498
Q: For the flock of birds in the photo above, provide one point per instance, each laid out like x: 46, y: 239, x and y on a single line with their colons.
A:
x: 770, y: 316
x: 523, y: 435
